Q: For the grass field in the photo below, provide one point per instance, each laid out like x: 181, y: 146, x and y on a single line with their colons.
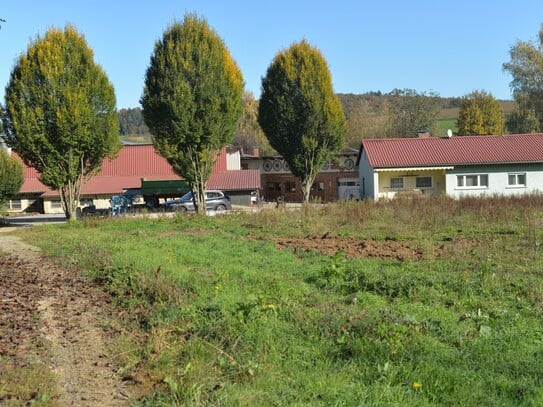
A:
x: 219, y: 314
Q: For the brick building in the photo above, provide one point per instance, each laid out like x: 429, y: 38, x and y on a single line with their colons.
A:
x: 337, y: 180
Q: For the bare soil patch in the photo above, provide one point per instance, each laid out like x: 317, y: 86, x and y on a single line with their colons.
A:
x: 351, y: 247
x: 64, y: 320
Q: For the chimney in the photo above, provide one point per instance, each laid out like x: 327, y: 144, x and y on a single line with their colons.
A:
x: 256, y: 152
x: 423, y: 134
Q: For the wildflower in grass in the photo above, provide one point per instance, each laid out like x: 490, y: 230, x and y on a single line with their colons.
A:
x: 269, y: 307
x: 416, y: 385
x: 217, y: 287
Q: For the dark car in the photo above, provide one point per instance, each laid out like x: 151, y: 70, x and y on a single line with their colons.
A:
x: 215, y: 201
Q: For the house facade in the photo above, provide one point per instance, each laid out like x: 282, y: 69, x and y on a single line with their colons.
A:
x: 455, y: 166
x: 337, y: 179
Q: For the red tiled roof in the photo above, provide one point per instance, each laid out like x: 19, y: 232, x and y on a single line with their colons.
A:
x: 142, y: 161
x: 235, y: 180
x: 458, y: 150
x: 135, y: 160
x: 33, y: 186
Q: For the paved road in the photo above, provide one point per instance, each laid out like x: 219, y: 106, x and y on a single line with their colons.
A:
x: 30, y: 220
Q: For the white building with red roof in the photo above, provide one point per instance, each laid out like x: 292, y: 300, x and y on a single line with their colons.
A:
x: 457, y: 166
x: 126, y: 171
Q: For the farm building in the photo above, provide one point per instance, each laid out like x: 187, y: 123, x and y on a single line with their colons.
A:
x: 457, y: 166
x: 133, y: 164
x: 337, y: 180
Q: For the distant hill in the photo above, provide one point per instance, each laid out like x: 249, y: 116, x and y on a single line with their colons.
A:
x: 132, y: 126
x: 364, y: 113
x: 366, y: 116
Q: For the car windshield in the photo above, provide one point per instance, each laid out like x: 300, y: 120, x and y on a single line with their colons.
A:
x: 187, y: 196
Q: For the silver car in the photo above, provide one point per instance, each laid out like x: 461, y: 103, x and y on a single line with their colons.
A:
x: 215, y: 201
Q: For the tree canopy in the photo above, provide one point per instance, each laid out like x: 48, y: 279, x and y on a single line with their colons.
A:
x: 60, y: 114
x: 131, y: 122
x: 249, y: 135
x: 526, y: 68
x: 410, y: 112
x: 299, y: 112
x: 192, y: 99
x: 480, y: 114
x: 11, y: 176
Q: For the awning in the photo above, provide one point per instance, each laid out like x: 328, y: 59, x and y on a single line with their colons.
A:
x: 403, y: 169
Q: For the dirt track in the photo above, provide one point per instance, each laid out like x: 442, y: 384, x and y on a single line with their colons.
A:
x: 50, y: 313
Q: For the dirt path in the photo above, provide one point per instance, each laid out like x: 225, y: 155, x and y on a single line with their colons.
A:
x: 70, y: 333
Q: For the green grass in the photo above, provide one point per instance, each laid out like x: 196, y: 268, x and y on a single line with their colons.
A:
x: 31, y: 384
x: 218, y: 315
x: 445, y: 124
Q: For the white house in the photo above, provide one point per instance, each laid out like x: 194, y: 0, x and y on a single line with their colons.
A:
x: 456, y: 166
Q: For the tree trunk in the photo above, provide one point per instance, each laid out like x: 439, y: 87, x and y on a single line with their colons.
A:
x: 69, y: 198
x: 200, y: 193
x: 307, y: 183
x: 306, y: 191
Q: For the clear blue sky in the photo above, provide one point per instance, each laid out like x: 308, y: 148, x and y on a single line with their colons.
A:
x: 449, y: 47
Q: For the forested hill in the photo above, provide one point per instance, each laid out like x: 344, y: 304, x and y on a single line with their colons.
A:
x: 132, y: 126
x: 368, y: 116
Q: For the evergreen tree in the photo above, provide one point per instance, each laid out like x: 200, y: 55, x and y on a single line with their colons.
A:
x: 299, y: 112
x: 192, y: 99
x: 60, y: 113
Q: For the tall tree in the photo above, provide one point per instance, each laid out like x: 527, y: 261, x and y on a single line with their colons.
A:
x: 522, y: 121
x: 192, y: 99
x: 249, y: 135
x: 60, y: 114
x: 11, y: 176
x: 299, y: 112
x: 526, y: 68
x: 411, y: 112
x: 480, y: 114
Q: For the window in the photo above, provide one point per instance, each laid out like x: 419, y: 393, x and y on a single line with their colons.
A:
x: 423, y: 182
x: 317, y: 186
x: 274, y: 186
x: 472, y: 181
x: 396, y: 183
x: 516, y: 180
x: 15, y: 204
x: 291, y: 186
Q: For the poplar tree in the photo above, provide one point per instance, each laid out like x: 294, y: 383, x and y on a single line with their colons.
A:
x: 60, y: 114
x: 480, y: 114
x: 192, y: 100
x: 299, y: 112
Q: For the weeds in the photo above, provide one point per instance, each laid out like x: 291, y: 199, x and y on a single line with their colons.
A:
x: 223, y: 319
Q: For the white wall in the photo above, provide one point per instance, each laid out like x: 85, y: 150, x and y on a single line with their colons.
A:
x: 368, y: 179
x: 497, y: 180
x: 233, y: 160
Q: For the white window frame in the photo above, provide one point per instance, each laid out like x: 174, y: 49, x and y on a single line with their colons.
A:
x: 479, y: 178
x: 396, y: 179
x: 516, y: 176
x: 15, y: 204
x: 424, y: 187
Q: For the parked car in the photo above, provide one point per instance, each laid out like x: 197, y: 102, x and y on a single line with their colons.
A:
x: 215, y: 201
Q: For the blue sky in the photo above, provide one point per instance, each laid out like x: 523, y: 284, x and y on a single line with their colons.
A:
x: 448, y: 47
